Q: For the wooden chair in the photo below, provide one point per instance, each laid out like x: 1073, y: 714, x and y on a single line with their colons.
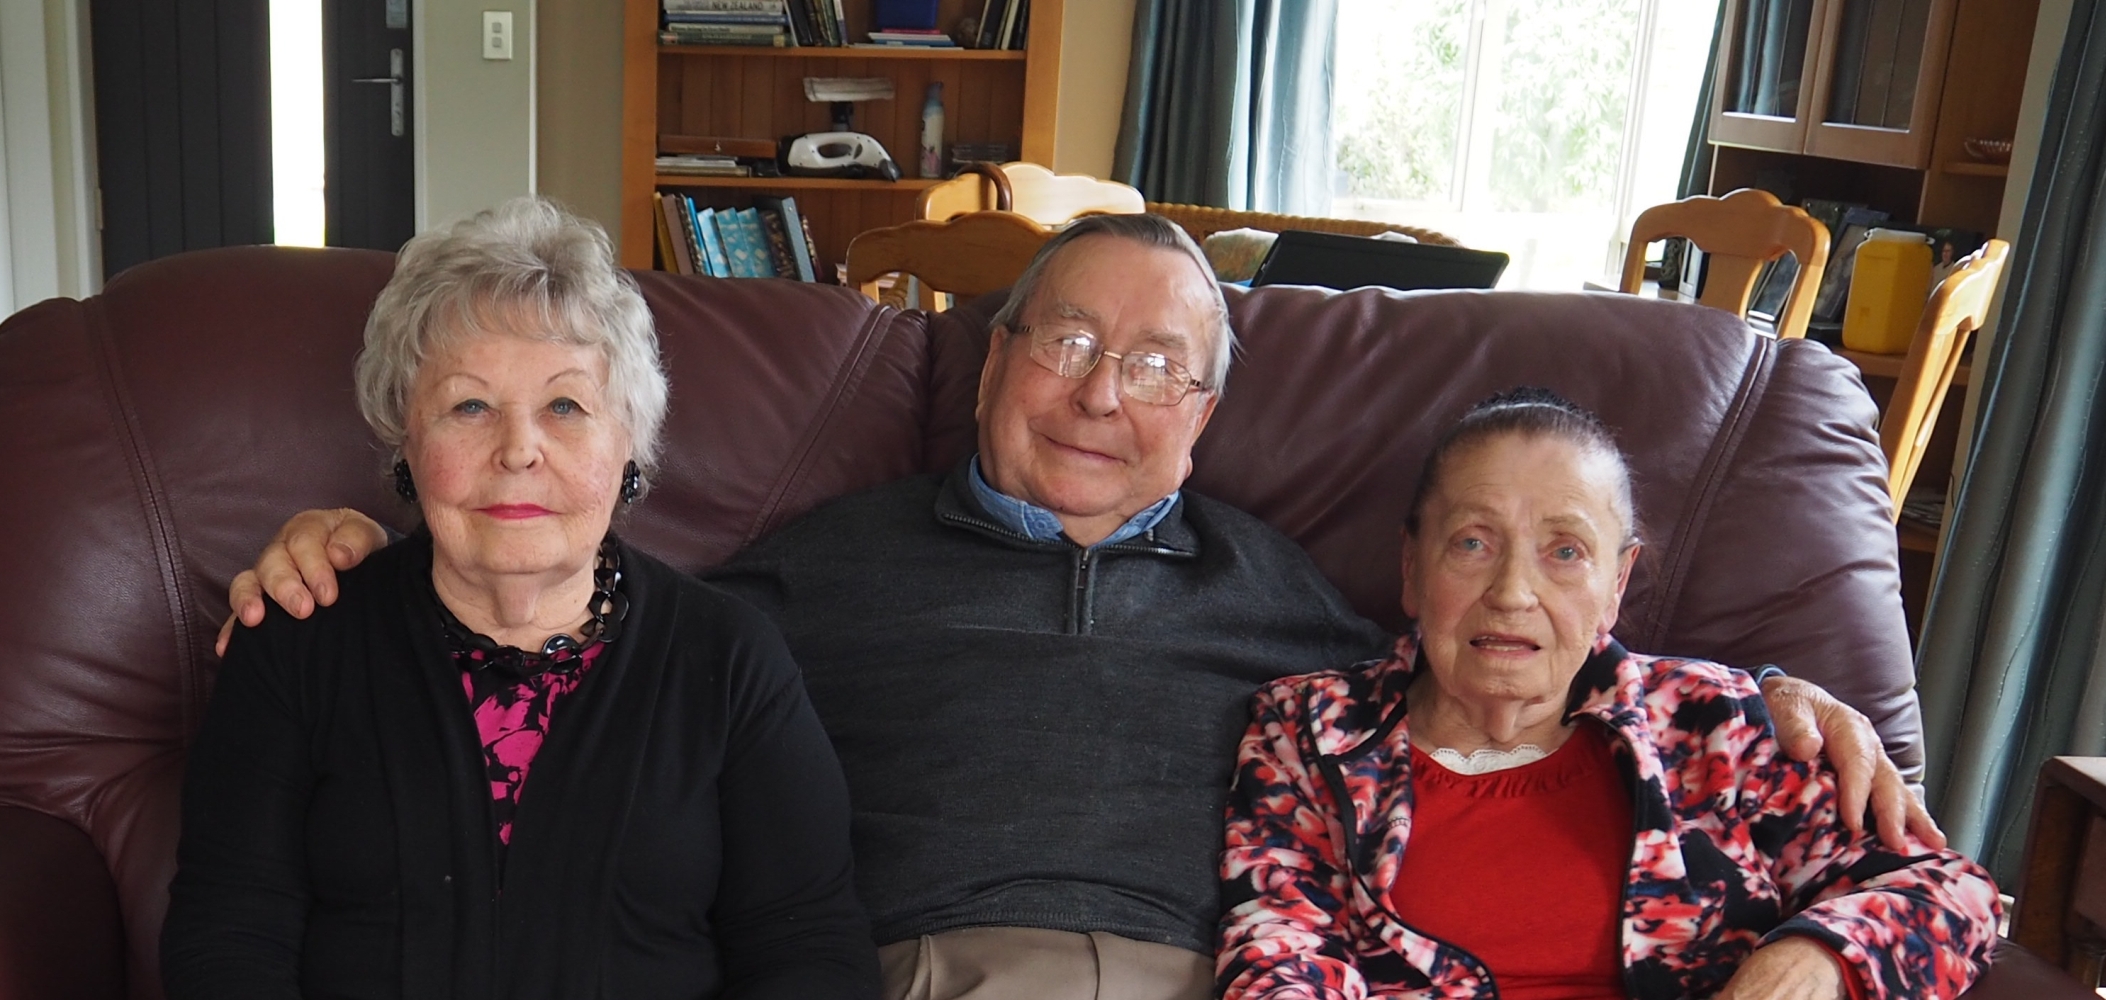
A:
x: 1741, y: 232
x: 1957, y: 308
x: 1027, y: 189
x: 971, y: 254
x: 1052, y: 199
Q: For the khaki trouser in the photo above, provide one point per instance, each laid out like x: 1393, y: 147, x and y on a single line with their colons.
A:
x: 1027, y: 963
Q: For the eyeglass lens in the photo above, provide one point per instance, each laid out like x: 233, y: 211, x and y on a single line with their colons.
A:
x: 1148, y: 377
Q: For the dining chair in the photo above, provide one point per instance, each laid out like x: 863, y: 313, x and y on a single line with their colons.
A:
x: 971, y: 254
x: 1957, y: 308
x: 1739, y: 233
x: 1027, y: 189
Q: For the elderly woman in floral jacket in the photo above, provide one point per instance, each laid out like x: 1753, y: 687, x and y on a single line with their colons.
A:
x: 1515, y: 806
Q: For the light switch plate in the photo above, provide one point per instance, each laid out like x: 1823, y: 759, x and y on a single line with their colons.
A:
x: 497, y: 34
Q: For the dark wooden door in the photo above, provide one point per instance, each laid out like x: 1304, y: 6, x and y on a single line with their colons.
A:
x: 182, y: 125
x: 371, y: 185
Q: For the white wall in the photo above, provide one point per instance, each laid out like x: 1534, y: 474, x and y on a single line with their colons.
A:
x: 1096, y: 43
x: 475, y: 118
x: 49, y: 244
x: 580, y: 107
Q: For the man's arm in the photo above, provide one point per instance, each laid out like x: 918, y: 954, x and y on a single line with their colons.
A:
x: 1810, y: 721
x: 298, y: 568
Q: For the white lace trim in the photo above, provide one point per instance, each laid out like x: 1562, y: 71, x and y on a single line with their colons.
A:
x: 1488, y: 760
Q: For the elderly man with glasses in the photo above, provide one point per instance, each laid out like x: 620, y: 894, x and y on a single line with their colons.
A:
x: 1036, y: 669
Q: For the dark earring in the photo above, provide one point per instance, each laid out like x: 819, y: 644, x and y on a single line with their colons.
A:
x: 632, y: 483
x: 405, y: 487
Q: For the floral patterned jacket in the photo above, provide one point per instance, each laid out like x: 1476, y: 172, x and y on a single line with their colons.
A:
x: 1736, y: 845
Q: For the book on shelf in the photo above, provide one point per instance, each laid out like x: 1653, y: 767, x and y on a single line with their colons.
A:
x: 713, y: 255
x: 1002, y: 23
x: 745, y: 246
x: 724, y: 34
x: 695, y: 225
x: 781, y: 263
x: 765, y: 20
x: 672, y: 236
x: 689, y: 165
x: 899, y: 37
x: 720, y: 6
x: 773, y: 239
x: 784, y: 220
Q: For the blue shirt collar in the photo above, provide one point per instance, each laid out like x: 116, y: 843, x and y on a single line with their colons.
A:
x: 1042, y: 525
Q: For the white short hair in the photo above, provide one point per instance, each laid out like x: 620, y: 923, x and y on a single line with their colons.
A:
x: 526, y: 259
x: 1149, y: 230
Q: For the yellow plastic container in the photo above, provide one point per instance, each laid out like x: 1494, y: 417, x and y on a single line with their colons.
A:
x: 1888, y: 287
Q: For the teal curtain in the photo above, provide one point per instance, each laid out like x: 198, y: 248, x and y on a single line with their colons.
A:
x: 1228, y: 103
x: 2013, y: 662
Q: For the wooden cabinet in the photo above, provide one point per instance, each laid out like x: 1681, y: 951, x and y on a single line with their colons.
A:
x: 1851, y: 79
x: 999, y: 96
x: 1871, y: 101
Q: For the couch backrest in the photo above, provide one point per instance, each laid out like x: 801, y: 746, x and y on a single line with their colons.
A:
x: 1756, y: 461
x: 156, y: 434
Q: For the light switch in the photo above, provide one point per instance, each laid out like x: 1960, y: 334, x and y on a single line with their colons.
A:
x: 497, y: 34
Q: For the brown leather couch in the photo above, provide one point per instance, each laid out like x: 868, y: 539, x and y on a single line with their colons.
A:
x: 152, y: 437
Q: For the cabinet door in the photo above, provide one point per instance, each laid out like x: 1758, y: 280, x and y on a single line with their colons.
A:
x: 1881, y: 67
x: 1763, y: 94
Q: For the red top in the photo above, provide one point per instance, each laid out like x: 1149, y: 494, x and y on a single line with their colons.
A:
x: 1526, y: 868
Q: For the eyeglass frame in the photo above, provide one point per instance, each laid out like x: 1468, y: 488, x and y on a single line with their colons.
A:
x: 1171, y: 366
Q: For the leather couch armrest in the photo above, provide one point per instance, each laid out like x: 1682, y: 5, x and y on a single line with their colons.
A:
x: 60, y: 934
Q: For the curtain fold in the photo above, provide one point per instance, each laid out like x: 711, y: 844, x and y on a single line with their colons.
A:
x: 1228, y: 103
x: 2011, y: 669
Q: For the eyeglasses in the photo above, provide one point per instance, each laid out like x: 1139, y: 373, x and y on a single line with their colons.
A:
x: 1144, y: 377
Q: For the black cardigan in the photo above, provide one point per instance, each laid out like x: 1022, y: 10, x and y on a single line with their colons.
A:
x: 683, y: 833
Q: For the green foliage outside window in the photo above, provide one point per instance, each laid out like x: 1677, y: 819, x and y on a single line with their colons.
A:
x: 1560, y: 73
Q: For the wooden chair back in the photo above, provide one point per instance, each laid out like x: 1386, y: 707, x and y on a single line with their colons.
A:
x: 1957, y: 308
x: 1036, y: 193
x: 1740, y: 232
x: 971, y: 254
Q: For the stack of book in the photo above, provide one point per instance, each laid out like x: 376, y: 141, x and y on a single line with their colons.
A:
x: 818, y: 22
x: 1003, y: 22
x: 770, y: 240
x: 698, y: 165
x: 928, y: 38
x: 726, y: 22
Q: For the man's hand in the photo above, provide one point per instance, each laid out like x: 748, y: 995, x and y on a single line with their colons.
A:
x: 1809, y: 720
x: 298, y: 568
x: 1792, y: 968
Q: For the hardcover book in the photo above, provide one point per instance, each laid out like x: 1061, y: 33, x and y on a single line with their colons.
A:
x: 713, y: 244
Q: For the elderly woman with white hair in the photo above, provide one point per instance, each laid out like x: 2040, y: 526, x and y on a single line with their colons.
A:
x: 358, y: 816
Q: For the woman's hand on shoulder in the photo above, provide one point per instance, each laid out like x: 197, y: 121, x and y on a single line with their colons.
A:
x: 298, y: 568
x: 1812, y: 723
x: 1792, y: 968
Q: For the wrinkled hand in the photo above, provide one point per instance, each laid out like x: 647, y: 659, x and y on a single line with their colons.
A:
x: 298, y: 568
x: 1792, y: 968
x: 1810, y: 721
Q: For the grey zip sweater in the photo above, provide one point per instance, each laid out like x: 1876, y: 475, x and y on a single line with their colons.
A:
x: 1037, y: 734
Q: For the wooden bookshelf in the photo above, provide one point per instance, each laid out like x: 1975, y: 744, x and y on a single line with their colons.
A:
x: 1001, y: 96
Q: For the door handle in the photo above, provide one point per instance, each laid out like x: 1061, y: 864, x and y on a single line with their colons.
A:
x: 394, y: 82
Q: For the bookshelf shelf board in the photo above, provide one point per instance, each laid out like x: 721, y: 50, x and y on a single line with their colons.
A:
x: 1969, y: 168
x: 843, y: 52
x: 798, y: 183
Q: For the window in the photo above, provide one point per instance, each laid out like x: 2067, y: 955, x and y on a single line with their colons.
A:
x: 1536, y: 127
